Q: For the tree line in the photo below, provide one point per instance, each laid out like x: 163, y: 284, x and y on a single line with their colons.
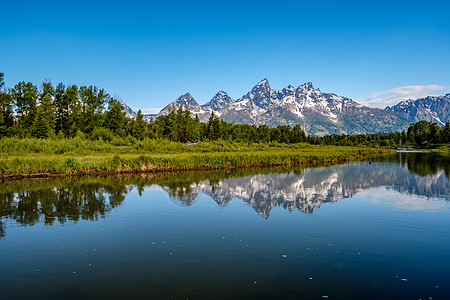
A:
x: 64, y: 111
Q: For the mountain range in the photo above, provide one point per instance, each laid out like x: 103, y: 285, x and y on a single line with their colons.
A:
x: 431, y: 109
x: 317, y: 112
x: 308, y: 189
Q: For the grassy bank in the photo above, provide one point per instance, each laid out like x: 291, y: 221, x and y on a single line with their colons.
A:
x: 82, y: 156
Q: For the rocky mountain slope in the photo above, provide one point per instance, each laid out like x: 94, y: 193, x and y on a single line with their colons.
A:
x: 431, y: 108
x: 130, y: 113
x: 318, y: 113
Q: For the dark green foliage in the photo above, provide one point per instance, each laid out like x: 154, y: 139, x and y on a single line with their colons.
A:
x: 71, y: 163
x: 6, y: 109
x: 2, y: 125
x: 424, y: 133
x: 264, y: 133
x: 92, y: 104
x: 103, y: 134
x: 115, y: 118
x: 25, y: 97
x: 138, y: 126
x: 213, y: 129
x: 61, y: 109
x: 47, y: 89
x: 444, y: 133
x: 41, y: 127
x: 49, y: 110
x: 298, y: 135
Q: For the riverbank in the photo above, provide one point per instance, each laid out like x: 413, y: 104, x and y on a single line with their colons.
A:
x: 439, y: 148
x: 45, y: 158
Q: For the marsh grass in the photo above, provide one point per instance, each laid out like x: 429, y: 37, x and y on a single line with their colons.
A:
x: 79, y: 155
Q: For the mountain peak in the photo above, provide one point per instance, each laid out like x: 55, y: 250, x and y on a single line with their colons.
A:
x: 262, y: 85
x: 287, y: 91
x: 221, y: 93
x: 431, y: 109
x: 317, y: 112
x: 185, y: 101
x: 307, y: 86
x: 262, y: 95
x: 219, y: 101
x: 264, y: 81
x: 186, y: 96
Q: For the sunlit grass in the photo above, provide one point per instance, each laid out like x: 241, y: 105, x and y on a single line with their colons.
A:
x: 77, y: 155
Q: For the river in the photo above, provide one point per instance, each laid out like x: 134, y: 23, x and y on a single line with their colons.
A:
x: 372, y: 229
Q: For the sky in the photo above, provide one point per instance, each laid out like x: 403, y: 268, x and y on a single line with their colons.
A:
x: 149, y: 53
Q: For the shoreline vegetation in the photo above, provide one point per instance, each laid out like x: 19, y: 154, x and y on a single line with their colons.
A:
x: 40, y: 158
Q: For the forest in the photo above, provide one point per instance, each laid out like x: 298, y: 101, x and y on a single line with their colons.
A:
x: 57, y: 112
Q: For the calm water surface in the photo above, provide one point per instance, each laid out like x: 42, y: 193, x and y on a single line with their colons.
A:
x: 377, y: 229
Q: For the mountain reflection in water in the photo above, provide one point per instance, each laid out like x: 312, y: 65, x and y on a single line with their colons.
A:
x: 48, y: 200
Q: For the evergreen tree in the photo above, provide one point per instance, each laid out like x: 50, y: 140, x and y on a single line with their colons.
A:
x: 2, y: 125
x: 179, y: 128
x: 115, y: 117
x: 6, y: 106
x: 71, y: 109
x: 264, y: 134
x: 193, y: 129
x: 83, y: 96
x: 275, y: 134
x: 41, y: 127
x: 213, y: 131
x: 47, y: 89
x: 420, y: 133
x: 445, y: 133
x: 138, y: 126
x: 61, y: 109
x: 297, y: 134
x: 25, y: 96
x: 49, y: 110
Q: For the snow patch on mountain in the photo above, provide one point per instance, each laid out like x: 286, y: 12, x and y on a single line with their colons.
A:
x: 431, y: 109
x: 318, y: 113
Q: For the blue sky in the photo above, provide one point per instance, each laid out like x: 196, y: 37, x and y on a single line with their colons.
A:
x: 149, y: 53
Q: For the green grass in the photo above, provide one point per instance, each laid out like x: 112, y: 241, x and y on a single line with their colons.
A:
x: 441, y: 148
x: 81, y: 156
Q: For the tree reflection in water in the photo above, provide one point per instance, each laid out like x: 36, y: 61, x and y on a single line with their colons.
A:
x: 72, y: 199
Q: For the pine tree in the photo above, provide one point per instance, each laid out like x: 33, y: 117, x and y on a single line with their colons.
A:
x: 115, y: 117
x: 49, y: 110
x: 2, y: 125
x: 61, y: 109
x: 5, y: 104
x: 40, y: 127
x: 25, y: 96
x: 72, y: 108
x: 138, y: 126
x: 297, y: 134
x: 263, y: 133
x: 213, y: 131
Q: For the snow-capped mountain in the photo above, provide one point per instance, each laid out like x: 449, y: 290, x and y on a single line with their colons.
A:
x: 129, y: 112
x: 186, y: 101
x: 431, y: 108
x: 317, y: 112
x: 310, y: 188
x: 218, y: 103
